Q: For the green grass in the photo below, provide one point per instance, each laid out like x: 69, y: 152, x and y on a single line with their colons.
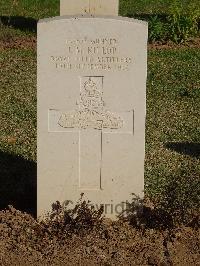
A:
x: 132, y: 7
x: 173, y: 103
x: 30, y: 8
x: 18, y: 102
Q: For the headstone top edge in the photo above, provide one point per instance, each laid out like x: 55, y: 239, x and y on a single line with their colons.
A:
x: 120, y: 18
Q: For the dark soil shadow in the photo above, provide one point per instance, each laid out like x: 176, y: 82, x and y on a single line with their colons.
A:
x: 148, y: 17
x: 141, y: 216
x: 22, y: 23
x: 18, y: 183
x: 188, y: 148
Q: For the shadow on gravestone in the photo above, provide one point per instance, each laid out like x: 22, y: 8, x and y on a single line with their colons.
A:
x: 187, y: 148
x: 18, y: 180
x: 18, y: 22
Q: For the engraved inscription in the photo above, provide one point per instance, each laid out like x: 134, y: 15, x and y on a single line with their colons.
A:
x: 91, y: 112
x: 93, y: 54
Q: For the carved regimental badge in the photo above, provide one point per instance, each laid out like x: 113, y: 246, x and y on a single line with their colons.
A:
x: 91, y: 112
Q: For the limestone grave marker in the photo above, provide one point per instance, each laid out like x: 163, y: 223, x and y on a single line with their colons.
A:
x: 84, y: 7
x: 91, y: 110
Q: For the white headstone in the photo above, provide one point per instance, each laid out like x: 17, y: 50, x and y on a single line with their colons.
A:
x: 91, y: 110
x: 84, y: 7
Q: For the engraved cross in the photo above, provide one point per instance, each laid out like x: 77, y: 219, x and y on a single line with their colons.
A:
x: 93, y: 121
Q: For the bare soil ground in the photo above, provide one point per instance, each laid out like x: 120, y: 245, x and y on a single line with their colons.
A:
x: 25, y: 241
x: 193, y: 43
x: 18, y: 43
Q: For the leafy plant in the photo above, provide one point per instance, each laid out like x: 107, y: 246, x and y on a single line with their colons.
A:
x: 177, y: 204
x: 182, y: 25
x: 156, y: 29
x: 82, y: 218
x: 180, y: 197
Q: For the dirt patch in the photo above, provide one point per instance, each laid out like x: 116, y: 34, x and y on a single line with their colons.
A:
x: 19, y: 43
x: 25, y: 241
x: 193, y: 43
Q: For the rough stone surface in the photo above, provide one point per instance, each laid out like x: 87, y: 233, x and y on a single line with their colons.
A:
x: 91, y: 110
x: 84, y: 7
